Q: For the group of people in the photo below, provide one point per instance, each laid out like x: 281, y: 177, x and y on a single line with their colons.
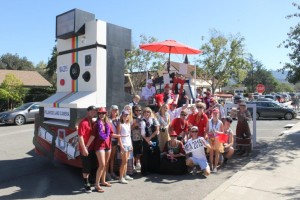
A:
x: 172, y: 140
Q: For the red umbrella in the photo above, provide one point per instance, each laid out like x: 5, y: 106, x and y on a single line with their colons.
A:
x: 170, y: 46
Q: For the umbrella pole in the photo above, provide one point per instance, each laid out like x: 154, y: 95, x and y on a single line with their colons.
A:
x: 169, y: 64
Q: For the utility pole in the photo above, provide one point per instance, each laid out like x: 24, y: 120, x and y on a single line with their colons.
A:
x: 252, y: 77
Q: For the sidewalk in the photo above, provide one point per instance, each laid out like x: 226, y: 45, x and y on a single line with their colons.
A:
x: 275, y: 174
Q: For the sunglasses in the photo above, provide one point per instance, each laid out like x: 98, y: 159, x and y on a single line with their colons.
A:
x: 101, y: 113
x: 183, y: 114
x: 194, y: 131
x: 200, y: 107
x: 138, y: 110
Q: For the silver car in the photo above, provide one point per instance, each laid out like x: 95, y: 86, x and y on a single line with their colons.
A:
x: 19, y: 116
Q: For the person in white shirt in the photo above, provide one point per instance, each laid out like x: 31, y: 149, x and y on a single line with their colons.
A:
x: 124, y: 130
x: 174, y: 112
x: 148, y: 92
x: 198, y: 155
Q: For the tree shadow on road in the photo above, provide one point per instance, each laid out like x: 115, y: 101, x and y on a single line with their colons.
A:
x: 283, y: 146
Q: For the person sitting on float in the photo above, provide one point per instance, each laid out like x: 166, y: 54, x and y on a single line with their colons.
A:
x: 148, y: 92
x: 213, y: 128
x: 173, y: 156
x: 168, y: 96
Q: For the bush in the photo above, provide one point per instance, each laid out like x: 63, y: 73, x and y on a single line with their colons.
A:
x: 38, y: 94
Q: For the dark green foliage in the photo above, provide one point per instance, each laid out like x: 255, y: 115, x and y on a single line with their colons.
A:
x: 14, y: 62
x: 293, y: 44
x: 38, y: 94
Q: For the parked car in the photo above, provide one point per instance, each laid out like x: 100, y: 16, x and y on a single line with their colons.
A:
x: 272, y: 109
x: 271, y: 96
x: 238, y: 98
x: 264, y: 99
x: 21, y: 115
x: 286, y: 97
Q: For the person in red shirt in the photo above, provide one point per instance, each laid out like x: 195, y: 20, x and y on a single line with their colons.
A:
x: 102, y: 134
x: 193, y: 112
x: 86, y: 148
x: 180, y: 126
x: 200, y: 119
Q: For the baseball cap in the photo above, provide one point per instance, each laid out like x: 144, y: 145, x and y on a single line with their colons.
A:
x: 91, y: 108
x: 150, y: 81
x: 114, y: 107
x: 125, y: 112
x: 194, y: 128
x: 102, y: 110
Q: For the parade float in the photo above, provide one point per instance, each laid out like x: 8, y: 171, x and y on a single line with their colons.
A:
x: 90, y: 71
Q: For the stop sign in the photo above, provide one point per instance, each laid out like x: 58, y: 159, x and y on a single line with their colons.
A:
x: 260, y: 88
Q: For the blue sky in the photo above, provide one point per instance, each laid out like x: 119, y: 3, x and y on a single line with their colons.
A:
x: 28, y: 26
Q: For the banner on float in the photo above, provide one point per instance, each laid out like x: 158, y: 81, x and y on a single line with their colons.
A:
x: 193, y: 145
x: 57, y: 113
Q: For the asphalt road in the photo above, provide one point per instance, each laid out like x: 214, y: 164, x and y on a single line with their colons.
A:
x: 25, y: 175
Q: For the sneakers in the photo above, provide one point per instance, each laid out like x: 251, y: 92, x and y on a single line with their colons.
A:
x: 108, y: 177
x: 138, y: 166
x: 114, y: 176
x: 128, y: 178
x: 214, y: 170
x: 194, y: 171
x: 225, y: 161
x: 87, y: 188
x: 122, y: 180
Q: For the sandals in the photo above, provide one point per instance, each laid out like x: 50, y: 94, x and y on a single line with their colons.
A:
x: 99, y: 189
x: 105, y: 184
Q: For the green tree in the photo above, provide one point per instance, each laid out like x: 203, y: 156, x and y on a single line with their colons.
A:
x: 51, y: 67
x: 222, y: 58
x: 138, y: 60
x: 14, y: 62
x: 260, y: 75
x: 297, y: 87
x: 293, y: 44
x: 13, y: 89
x: 284, y: 87
x: 41, y: 68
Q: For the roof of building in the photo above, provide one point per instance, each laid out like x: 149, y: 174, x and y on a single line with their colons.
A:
x: 28, y: 78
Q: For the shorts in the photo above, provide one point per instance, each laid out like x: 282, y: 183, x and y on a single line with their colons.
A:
x: 104, y: 150
x: 127, y: 148
x: 202, y: 163
x: 88, y: 162
x: 227, y: 149
x: 114, y: 143
x: 137, y: 147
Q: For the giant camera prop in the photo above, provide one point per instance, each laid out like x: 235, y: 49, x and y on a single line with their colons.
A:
x: 90, y: 71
